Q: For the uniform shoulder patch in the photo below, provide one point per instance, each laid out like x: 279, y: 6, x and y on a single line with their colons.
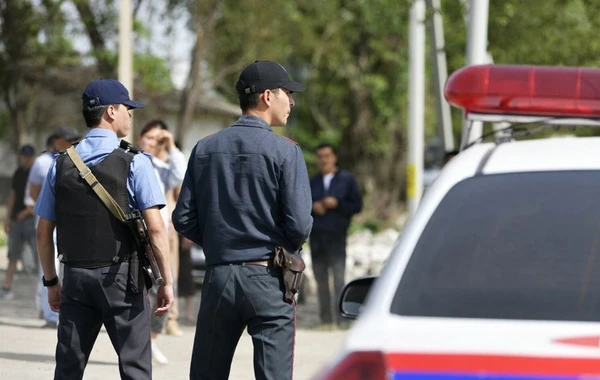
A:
x: 288, y: 139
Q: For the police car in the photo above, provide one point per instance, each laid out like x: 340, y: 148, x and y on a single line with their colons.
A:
x: 497, y: 275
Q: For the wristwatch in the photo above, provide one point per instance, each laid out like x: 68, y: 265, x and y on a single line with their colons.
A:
x: 52, y: 282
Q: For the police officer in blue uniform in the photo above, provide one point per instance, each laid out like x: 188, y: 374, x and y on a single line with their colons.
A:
x: 96, y: 247
x: 245, y: 192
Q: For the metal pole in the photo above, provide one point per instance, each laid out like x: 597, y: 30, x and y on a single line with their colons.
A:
x: 440, y: 70
x: 477, y: 49
x: 416, y: 106
x: 125, y: 51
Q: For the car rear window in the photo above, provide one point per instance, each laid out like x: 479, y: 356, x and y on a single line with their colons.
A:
x: 510, y: 246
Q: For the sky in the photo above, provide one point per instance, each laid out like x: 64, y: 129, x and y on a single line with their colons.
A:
x: 175, y: 47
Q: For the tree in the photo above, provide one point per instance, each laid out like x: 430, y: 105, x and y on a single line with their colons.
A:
x: 205, y: 19
x: 352, y: 55
x: 32, y: 48
x: 100, y: 19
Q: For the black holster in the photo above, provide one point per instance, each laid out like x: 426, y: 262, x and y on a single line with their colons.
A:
x: 133, y: 277
x: 137, y: 277
x: 292, y: 266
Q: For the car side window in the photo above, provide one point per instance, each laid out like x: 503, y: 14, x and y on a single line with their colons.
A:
x: 509, y: 246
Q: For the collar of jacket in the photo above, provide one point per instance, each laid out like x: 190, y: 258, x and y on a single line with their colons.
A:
x: 251, y: 121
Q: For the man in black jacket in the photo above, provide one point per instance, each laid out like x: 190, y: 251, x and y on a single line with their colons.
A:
x: 246, y: 192
x: 335, y: 199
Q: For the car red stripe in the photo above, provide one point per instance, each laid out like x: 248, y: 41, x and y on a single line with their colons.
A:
x: 493, y: 364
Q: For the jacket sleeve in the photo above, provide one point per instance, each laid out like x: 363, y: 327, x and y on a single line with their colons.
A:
x: 296, y: 199
x: 352, y: 203
x: 185, y: 215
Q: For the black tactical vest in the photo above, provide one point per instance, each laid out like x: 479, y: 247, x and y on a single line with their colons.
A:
x: 88, y: 235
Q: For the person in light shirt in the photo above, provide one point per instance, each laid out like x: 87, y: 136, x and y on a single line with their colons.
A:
x: 169, y: 165
x: 61, y: 139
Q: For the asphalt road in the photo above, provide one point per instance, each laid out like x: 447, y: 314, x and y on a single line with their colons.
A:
x: 27, y: 350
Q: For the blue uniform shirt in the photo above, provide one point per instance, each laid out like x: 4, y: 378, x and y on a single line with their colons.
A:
x: 245, y: 191
x: 142, y: 184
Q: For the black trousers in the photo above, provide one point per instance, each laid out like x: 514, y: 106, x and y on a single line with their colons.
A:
x: 90, y: 298
x: 328, y: 254
x: 235, y: 297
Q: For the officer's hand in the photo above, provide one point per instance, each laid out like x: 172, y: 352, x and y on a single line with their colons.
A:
x: 54, y: 297
x: 330, y: 202
x: 7, y: 226
x: 318, y: 208
x: 164, y: 299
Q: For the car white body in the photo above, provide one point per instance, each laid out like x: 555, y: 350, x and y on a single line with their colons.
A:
x: 415, y: 347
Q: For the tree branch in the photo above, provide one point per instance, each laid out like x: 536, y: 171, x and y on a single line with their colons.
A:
x: 194, y: 84
x: 88, y: 18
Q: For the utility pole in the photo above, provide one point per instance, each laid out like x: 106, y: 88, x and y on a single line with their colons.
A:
x: 440, y: 72
x: 416, y: 106
x: 125, y: 51
x: 477, y: 32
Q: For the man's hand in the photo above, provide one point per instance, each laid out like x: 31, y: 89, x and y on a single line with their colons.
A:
x: 54, y: 297
x: 318, y: 208
x: 24, y: 214
x: 166, y: 138
x: 330, y: 202
x: 7, y: 226
x: 164, y: 299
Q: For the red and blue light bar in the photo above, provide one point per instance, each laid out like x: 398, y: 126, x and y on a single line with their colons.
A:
x: 526, y: 90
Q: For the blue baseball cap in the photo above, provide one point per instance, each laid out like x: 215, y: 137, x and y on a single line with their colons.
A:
x: 27, y: 150
x: 104, y: 92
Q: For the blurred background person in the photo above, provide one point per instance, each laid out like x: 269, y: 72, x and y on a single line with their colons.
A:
x: 170, y: 165
x: 60, y: 140
x: 185, y: 286
x: 20, y: 223
x: 336, y: 199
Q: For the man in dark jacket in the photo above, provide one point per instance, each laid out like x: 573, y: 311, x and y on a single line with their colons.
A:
x: 246, y: 192
x: 335, y: 199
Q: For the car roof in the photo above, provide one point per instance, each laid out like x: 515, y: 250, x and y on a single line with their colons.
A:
x: 550, y: 154
x: 560, y: 153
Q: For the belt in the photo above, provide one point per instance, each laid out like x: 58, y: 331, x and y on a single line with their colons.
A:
x: 264, y: 263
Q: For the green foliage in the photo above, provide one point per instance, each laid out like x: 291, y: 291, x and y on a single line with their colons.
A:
x: 351, y: 54
x: 153, y: 72
x: 32, y: 46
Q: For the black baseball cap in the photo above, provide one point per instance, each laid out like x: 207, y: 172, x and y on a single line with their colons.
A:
x: 27, y: 150
x: 104, y: 92
x: 265, y: 75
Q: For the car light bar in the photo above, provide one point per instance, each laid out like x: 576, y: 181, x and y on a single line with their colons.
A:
x: 526, y: 90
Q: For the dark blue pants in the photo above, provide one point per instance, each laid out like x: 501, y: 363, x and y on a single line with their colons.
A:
x: 328, y: 254
x: 235, y: 297
x: 90, y: 298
